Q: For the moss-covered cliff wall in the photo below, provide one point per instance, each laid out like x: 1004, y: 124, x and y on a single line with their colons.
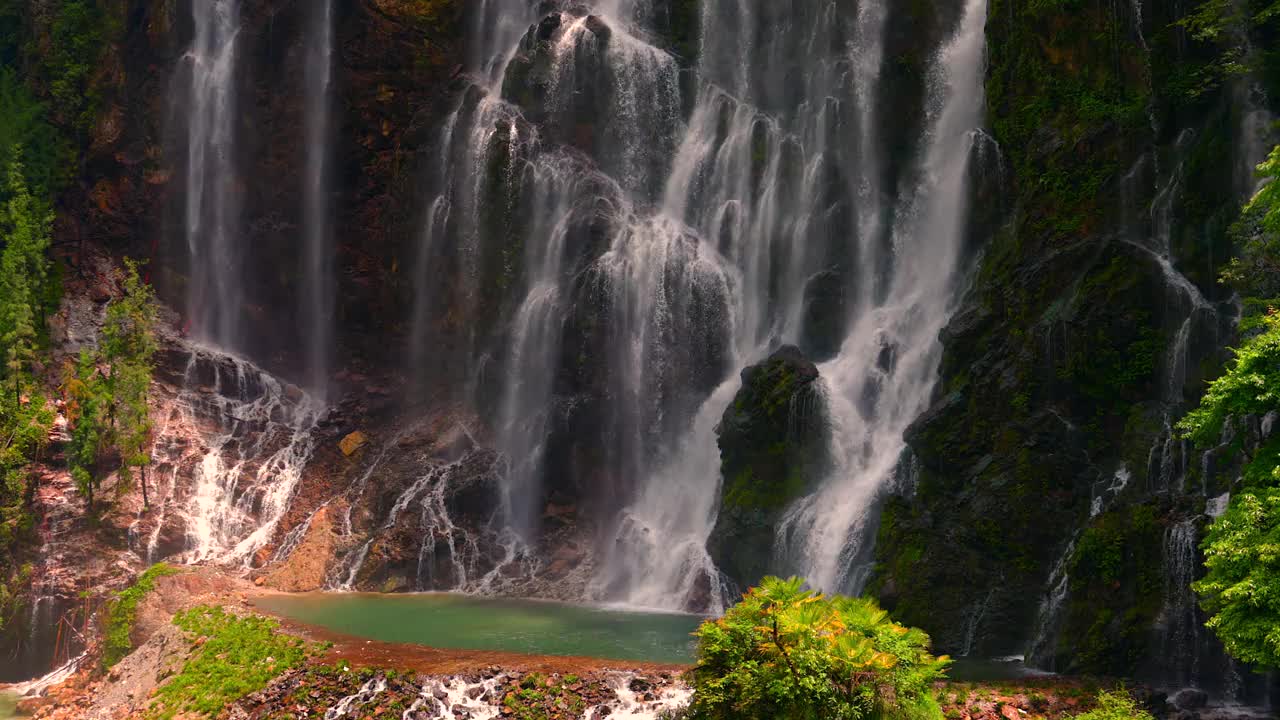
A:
x: 1093, y: 319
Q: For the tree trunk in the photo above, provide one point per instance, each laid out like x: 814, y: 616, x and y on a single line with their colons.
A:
x: 142, y: 469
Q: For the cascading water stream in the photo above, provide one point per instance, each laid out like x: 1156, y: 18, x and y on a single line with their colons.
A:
x: 1044, y: 638
x: 712, y: 233
x: 318, y: 291
x: 1180, y: 623
x: 244, y: 438
x: 884, y: 375
x: 240, y: 434
x: 750, y: 177
x: 207, y: 101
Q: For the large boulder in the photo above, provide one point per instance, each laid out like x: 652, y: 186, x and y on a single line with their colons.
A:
x: 774, y: 445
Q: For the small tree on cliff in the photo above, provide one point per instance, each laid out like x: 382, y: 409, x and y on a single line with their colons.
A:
x: 128, y: 350
x: 82, y: 391
x: 786, y: 653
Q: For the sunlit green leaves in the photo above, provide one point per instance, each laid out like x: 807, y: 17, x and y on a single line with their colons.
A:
x: 1241, y: 588
x: 788, y: 653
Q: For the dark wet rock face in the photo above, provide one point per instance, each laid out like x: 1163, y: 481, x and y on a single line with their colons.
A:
x: 773, y: 442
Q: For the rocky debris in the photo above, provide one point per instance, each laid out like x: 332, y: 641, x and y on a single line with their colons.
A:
x: 353, y: 442
x: 130, y: 684
x: 1190, y: 699
x: 343, y: 691
x: 1047, y: 699
x: 773, y: 449
x: 305, y: 567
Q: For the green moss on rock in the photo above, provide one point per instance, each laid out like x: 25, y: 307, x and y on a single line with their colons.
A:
x: 1115, y: 584
x: 773, y: 449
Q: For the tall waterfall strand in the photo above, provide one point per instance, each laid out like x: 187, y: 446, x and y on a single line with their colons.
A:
x: 884, y: 375
x: 318, y: 291
x: 207, y: 102
x: 462, y: 144
x: 764, y: 177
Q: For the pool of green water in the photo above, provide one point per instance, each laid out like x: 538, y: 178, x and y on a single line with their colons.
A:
x: 461, y: 622
x: 8, y: 706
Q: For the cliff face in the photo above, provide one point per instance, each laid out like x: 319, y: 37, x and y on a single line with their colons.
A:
x: 1049, y: 490
x: 107, y: 72
x: 1046, y: 507
x: 393, y: 65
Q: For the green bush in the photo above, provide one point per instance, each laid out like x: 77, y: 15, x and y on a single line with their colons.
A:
x: 122, y: 613
x: 1251, y: 385
x: 1117, y: 705
x: 1241, y: 586
x: 786, y: 653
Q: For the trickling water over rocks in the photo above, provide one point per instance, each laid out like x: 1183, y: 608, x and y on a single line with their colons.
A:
x: 227, y: 457
x: 656, y: 216
x: 529, y: 248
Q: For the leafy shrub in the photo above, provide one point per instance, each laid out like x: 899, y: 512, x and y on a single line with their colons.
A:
x: 1117, y: 705
x: 122, y: 613
x: 1241, y: 586
x: 787, y: 653
x: 1251, y: 385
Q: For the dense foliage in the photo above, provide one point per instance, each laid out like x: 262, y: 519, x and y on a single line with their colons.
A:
x: 232, y: 656
x: 787, y: 653
x: 48, y: 57
x: 106, y: 391
x: 122, y: 613
x: 1241, y: 586
x: 25, y: 419
x: 25, y: 224
x: 1225, y: 23
x: 1255, y: 271
x: 1250, y: 386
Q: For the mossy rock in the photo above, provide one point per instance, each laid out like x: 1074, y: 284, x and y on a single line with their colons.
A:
x: 773, y: 441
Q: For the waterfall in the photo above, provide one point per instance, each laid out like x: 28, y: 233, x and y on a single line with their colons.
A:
x: 318, y: 291
x: 653, y: 229
x: 206, y: 98
x: 1044, y: 639
x: 244, y: 438
x: 752, y: 175
x: 873, y: 401
x: 1167, y: 463
x: 1180, y: 649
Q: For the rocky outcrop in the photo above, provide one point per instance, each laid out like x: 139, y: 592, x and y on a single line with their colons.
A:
x: 1092, y: 322
x: 773, y: 442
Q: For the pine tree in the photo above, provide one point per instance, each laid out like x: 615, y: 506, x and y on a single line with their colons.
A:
x: 25, y: 227
x: 128, y: 349
x: 132, y: 433
x: 83, y: 392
